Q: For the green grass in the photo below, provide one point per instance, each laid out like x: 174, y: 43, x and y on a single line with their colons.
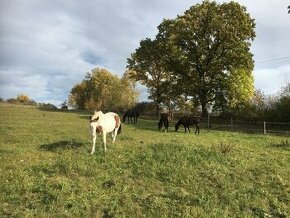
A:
x: 46, y: 170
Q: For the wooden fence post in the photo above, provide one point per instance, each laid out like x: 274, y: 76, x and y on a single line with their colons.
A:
x: 265, y: 131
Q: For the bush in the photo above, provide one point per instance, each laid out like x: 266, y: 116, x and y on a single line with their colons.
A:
x: 47, y: 106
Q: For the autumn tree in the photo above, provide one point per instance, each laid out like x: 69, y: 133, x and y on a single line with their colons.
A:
x: 100, y: 90
x: 22, y: 98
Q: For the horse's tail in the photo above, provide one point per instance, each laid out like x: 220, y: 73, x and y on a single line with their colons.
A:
x: 120, y: 128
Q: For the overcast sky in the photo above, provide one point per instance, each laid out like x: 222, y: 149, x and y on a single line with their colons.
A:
x: 47, y: 46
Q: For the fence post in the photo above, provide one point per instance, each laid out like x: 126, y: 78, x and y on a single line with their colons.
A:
x: 208, y: 120
x: 232, y: 123
x: 265, y: 131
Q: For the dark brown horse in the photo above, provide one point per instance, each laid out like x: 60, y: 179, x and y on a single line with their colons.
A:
x: 131, y: 115
x: 163, y: 121
x: 187, y: 121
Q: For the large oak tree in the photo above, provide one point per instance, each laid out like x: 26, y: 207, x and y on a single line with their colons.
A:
x: 207, y: 53
x: 211, y: 42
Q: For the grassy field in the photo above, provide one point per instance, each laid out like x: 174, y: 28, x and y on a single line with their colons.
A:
x: 47, y: 171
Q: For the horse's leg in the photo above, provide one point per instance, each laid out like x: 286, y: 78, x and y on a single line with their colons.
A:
x: 166, y: 124
x: 94, y: 142
x: 104, y: 140
x: 114, y: 134
x: 197, y: 128
x: 184, y: 128
x: 188, y: 128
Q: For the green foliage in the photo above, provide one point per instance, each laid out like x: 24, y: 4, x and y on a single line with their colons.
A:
x: 47, y: 171
x: 213, y: 41
x: 47, y: 106
x: 279, y: 110
x: 274, y: 108
x: 146, y: 67
x: 205, y: 54
x: 100, y: 90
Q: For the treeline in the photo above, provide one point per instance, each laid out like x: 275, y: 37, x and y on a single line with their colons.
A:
x: 261, y: 107
x: 24, y: 99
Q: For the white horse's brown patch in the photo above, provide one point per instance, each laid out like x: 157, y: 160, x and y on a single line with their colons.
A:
x: 117, y: 119
x: 99, y: 129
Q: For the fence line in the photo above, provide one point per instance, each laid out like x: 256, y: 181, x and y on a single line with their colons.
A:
x: 263, y: 127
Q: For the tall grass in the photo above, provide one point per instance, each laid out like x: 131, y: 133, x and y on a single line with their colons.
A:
x: 46, y: 170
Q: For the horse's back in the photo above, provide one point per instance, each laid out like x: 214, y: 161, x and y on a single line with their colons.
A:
x: 190, y: 119
x: 111, y: 121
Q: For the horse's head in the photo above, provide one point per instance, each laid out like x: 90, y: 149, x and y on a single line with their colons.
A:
x: 94, y: 120
x: 97, y: 115
x: 176, y: 127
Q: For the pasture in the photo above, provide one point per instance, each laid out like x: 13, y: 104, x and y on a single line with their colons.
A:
x: 46, y: 170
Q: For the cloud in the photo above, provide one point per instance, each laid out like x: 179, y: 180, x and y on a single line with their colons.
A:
x: 270, y: 80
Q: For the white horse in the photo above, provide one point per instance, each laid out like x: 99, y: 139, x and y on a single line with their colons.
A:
x: 104, y: 123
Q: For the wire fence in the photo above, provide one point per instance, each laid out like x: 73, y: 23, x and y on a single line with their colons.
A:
x: 263, y: 127
x: 230, y: 124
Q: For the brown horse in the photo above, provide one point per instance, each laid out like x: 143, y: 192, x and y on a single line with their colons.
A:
x: 163, y: 121
x: 131, y: 115
x: 187, y: 121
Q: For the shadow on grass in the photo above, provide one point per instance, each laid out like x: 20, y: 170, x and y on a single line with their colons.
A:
x: 284, y: 144
x: 61, y: 145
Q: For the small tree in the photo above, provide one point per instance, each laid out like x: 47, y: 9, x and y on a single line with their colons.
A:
x: 64, y: 105
x: 22, y: 98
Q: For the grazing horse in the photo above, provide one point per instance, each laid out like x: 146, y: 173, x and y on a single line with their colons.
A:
x: 187, y: 121
x: 163, y: 121
x: 131, y: 115
x: 102, y: 124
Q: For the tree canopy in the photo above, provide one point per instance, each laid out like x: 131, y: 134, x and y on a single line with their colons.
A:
x: 147, y: 68
x: 100, y: 90
x: 204, y: 54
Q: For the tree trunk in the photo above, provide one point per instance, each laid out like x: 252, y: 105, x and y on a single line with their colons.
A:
x: 204, y: 111
x: 157, y: 109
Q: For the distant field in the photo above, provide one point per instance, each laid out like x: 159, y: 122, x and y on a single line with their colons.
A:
x: 47, y: 171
